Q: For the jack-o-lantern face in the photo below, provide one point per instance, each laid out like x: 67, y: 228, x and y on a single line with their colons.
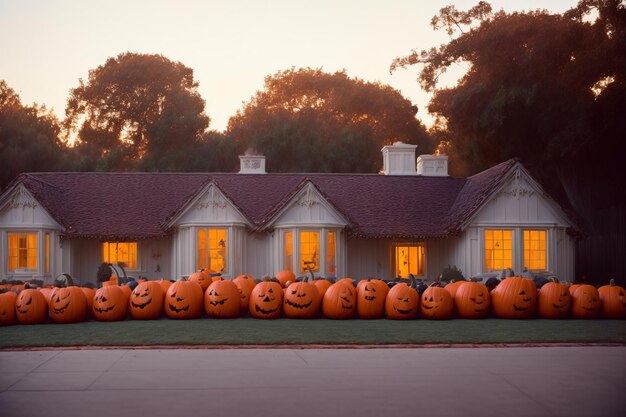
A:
x: 183, y: 300
x: 613, y: 301
x: 222, y: 300
x: 302, y: 300
x: 339, y: 301
x: 266, y: 300
x: 68, y: 305
x: 7, y: 308
x: 554, y: 301
x: 146, y: 301
x: 514, y: 298
x: 371, y: 296
x: 436, y: 303
x: 245, y: 284
x: 110, y: 304
x: 402, y: 302
x: 585, y: 302
x: 472, y: 300
x: 31, y: 307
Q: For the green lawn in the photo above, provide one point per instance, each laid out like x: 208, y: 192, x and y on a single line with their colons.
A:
x: 248, y: 331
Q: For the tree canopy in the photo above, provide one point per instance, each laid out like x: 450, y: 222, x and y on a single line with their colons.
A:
x: 307, y: 120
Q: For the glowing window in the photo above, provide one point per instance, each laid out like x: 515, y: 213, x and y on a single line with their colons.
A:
x: 409, y: 260
x: 309, y: 251
x: 331, y: 253
x: 212, y: 249
x: 288, y: 255
x: 47, y: 253
x: 498, y: 249
x: 535, y: 249
x: 22, y: 251
x: 123, y: 253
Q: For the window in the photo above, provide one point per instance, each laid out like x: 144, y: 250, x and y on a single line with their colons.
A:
x: 535, y: 249
x: 22, y: 251
x: 47, y: 253
x: 123, y: 253
x: 409, y: 259
x: 309, y: 251
x: 498, y: 249
x: 331, y: 253
x: 212, y: 249
x: 288, y: 251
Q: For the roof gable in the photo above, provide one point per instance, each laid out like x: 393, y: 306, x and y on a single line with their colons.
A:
x: 18, y: 207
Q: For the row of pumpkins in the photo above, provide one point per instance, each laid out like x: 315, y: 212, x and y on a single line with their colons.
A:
x: 513, y: 298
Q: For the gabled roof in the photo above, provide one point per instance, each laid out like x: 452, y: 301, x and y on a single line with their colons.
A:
x: 125, y: 206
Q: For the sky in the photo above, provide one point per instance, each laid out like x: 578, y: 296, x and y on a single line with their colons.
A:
x: 231, y: 45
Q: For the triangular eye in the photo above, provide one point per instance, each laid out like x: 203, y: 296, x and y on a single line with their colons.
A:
x: 293, y: 292
x: 270, y: 291
x: 522, y: 292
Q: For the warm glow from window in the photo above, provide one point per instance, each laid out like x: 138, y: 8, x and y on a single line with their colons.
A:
x: 47, y: 252
x: 409, y: 260
x: 331, y: 254
x: 212, y: 247
x: 123, y: 253
x: 498, y: 249
x: 288, y: 255
x: 309, y: 251
x: 22, y: 251
x: 535, y: 249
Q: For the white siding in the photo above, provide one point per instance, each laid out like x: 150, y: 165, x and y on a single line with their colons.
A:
x: 308, y: 208
x: 369, y: 258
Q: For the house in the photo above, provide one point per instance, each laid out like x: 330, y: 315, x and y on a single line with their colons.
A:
x: 413, y: 218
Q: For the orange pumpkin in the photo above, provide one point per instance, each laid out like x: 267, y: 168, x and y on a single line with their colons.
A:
x: 245, y: 284
x: 514, y: 298
x: 402, y: 302
x: 586, y: 302
x: 322, y: 285
x: 302, y: 300
x: 339, y: 301
x: 183, y: 300
x: 202, y: 278
x: 146, y: 301
x: 89, y: 294
x: 126, y: 290
x: 31, y: 307
x: 554, y: 300
x: 266, y: 300
x: 453, y: 286
x: 222, y: 300
x: 370, y: 298
x: 436, y: 303
x: 613, y: 301
x: 472, y: 300
x: 284, y: 276
x: 68, y: 305
x: 7, y: 308
x: 47, y: 292
x: 110, y: 304
x: 165, y: 284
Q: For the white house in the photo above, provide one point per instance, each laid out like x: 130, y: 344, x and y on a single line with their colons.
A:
x: 412, y: 218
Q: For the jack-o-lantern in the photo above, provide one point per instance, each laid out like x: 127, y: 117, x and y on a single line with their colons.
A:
x: 68, y: 305
x: 146, y: 301
x: 572, y: 288
x: 284, y: 276
x: 47, y: 292
x: 402, y: 302
x: 339, y: 302
x: 222, y: 300
x: 202, y: 278
x: 554, y: 300
x: 245, y: 283
x: 370, y: 298
x: 586, y: 302
x: 31, y: 307
x: 266, y: 300
x: 613, y: 301
x: 302, y: 300
x: 436, y: 303
x: 7, y: 308
x: 110, y: 304
x: 322, y: 285
x: 452, y: 287
x: 514, y: 298
x: 183, y: 300
x: 126, y: 290
x: 472, y: 300
x: 165, y: 284
x: 89, y: 294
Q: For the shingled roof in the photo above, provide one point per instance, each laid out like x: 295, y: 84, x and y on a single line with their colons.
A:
x: 125, y: 206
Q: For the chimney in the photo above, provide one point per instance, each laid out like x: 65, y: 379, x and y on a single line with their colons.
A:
x: 432, y: 165
x: 250, y: 163
x: 399, y: 159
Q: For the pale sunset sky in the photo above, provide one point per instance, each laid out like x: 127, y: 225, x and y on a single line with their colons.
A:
x: 231, y: 45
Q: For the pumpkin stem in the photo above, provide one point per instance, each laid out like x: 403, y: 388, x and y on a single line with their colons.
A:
x: 612, y: 282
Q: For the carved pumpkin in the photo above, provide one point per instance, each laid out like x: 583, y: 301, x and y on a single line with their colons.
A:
x: 245, y: 284
x: 514, y: 298
x: 402, y: 302
x: 202, y: 278
x: 339, y: 301
x: 472, y: 300
x: 322, y: 285
x: 613, y: 301
x: 68, y: 305
x: 436, y: 303
x: 554, y: 300
x: 165, y: 284
x: 7, y: 308
x: 90, y: 293
x: 222, y: 300
x: 126, y: 290
x: 585, y: 302
x: 31, y: 307
x: 452, y: 287
x: 266, y: 300
x: 47, y: 292
x: 110, y: 304
x: 370, y: 298
x: 183, y: 300
x: 284, y: 276
x: 146, y: 301
x: 302, y: 300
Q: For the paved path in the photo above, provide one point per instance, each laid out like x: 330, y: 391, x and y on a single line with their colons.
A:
x: 556, y: 381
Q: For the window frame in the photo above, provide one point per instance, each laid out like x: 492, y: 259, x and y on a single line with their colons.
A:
x: 323, y: 243
x: 523, y: 230
x: 137, y: 254
x: 227, y: 247
x: 26, y: 270
x: 517, y: 246
x: 45, y: 255
x: 512, y: 249
x: 394, y: 261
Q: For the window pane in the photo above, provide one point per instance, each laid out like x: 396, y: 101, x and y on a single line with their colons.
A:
x: 217, y: 247
x: 331, y: 254
x: 123, y: 253
x: 288, y: 255
x: 309, y: 251
x: 498, y: 249
x: 409, y: 260
x: 47, y: 253
x: 13, y: 253
x: 535, y: 250
x: 203, y: 251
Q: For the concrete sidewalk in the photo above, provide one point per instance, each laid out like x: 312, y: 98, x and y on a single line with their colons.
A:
x: 556, y: 381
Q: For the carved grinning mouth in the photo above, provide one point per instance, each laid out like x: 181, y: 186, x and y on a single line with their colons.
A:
x: 348, y: 305
x: 218, y: 303
x: 103, y: 310
x: 178, y: 310
x: 428, y: 307
x: 558, y: 307
x: 260, y: 310
x: 299, y: 306
x: 60, y: 309
x: 141, y: 306
x: 370, y: 297
x: 516, y: 308
x: 403, y: 311
x: 589, y: 308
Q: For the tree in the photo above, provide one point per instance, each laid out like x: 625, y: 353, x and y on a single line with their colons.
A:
x: 29, y: 138
x: 134, y: 112
x: 307, y: 120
